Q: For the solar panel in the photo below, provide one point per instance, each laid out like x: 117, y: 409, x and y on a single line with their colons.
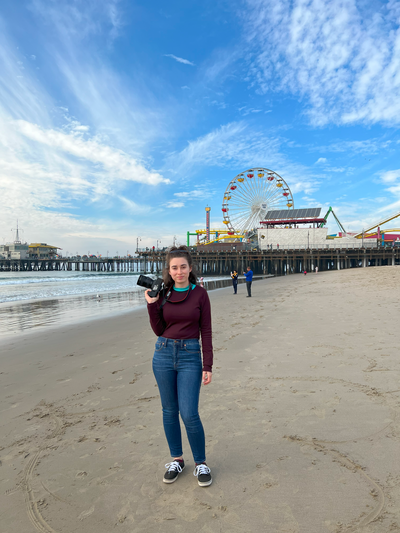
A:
x: 286, y: 214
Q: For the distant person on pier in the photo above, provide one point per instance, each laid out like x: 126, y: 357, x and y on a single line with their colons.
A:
x: 249, y: 278
x: 234, y: 276
x: 316, y: 270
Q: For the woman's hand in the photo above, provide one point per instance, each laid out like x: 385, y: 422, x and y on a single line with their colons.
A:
x: 207, y: 376
x: 149, y: 299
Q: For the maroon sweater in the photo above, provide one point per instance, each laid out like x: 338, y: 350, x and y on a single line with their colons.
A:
x: 185, y: 320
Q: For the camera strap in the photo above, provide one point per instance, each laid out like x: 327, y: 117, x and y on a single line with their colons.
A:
x: 165, y: 299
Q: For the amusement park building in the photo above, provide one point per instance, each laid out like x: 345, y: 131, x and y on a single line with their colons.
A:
x: 41, y: 250
x: 14, y: 251
x: 294, y: 227
x: 18, y: 250
x: 291, y: 237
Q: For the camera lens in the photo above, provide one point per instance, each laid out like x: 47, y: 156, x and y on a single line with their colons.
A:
x: 145, y: 281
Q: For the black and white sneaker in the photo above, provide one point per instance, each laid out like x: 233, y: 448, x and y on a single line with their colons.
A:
x: 174, y: 468
x: 203, y: 474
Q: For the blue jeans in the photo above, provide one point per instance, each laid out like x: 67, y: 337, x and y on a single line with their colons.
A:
x: 177, y: 367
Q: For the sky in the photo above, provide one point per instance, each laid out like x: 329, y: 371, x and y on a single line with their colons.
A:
x: 121, y: 120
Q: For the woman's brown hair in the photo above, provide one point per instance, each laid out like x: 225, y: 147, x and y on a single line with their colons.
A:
x: 178, y: 251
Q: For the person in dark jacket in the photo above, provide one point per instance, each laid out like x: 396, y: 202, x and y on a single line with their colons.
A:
x: 179, y: 316
x: 234, y: 276
x: 249, y: 279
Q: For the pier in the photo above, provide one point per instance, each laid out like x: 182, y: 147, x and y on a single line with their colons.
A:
x: 280, y: 262
x: 275, y: 261
x: 131, y: 264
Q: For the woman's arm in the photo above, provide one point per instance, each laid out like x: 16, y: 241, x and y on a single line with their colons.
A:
x: 206, y: 333
x: 155, y: 314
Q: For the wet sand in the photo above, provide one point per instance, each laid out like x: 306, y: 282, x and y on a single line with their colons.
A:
x: 301, y: 419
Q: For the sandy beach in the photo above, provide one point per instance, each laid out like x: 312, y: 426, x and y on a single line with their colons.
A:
x: 301, y: 419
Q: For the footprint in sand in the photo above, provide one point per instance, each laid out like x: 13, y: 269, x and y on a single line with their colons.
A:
x: 85, y: 514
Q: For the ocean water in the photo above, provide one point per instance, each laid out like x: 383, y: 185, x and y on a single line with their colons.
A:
x: 32, y: 300
x: 19, y: 286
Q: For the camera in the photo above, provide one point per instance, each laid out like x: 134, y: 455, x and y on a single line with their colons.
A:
x: 155, y: 285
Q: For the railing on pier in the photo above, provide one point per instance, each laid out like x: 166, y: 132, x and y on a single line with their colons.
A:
x: 330, y: 246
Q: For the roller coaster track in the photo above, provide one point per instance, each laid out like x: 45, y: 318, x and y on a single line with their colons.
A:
x: 380, y: 223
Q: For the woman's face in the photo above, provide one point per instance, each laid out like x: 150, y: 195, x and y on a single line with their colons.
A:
x: 179, y: 271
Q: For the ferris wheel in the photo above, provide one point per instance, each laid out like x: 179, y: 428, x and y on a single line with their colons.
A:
x: 250, y: 195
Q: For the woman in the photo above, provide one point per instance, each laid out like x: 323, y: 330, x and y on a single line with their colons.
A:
x: 178, y: 316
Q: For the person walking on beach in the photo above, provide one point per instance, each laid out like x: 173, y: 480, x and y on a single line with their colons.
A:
x: 234, y: 276
x: 249, y: 279
x: 179, y: 315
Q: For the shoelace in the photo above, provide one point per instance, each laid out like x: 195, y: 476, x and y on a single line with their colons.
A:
x: 201, y: 469
x: 173, y: 466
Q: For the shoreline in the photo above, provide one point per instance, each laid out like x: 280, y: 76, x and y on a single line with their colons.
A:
x: 301, y: 418
x: 114, y: 303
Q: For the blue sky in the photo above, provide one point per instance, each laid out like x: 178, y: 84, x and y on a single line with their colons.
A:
x: 121, y: 119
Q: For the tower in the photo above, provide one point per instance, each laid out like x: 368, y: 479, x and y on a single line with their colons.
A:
x: 17, y: 239
x: 208, y: 209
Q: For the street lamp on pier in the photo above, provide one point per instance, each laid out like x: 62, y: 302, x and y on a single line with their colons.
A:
x: 157, y: 244
x: 137, y: 244
x: 107, y: 254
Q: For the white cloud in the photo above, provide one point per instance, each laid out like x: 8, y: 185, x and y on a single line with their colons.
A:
x: 180, y: 59
x: 394, y: 190
x: 89, y: 18
x: 185, y: 87
x: 173, y: 205
x: 321, y: 161
x: 390, y: 176
x: 222, y: 146
x: 235, y: 145
x: 247, y: 110
x: 340, y: 56
x: 33, y: 57
x: 366, y: 146
x: 394, y: 206
x: 338, y: 169
x: 134, y: 208
x: 80, y: 127
x: 115, y: 161
x: 197, y: 193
